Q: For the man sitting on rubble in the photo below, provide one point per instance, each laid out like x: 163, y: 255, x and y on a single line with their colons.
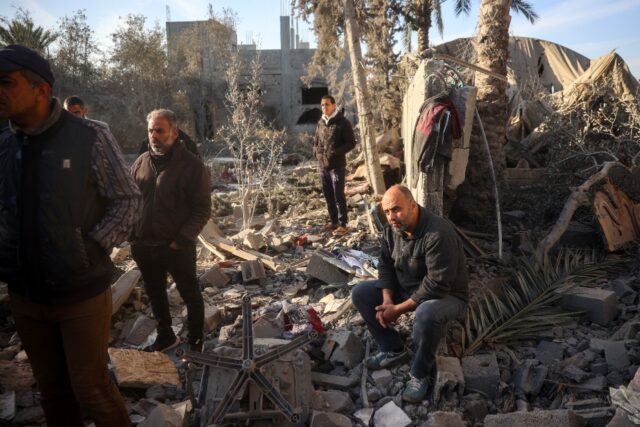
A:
x: 176, y: 197
x: 422, y: 269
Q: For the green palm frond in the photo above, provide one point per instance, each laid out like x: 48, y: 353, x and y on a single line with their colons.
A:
x: 531, y: 303
x: 525, y: 9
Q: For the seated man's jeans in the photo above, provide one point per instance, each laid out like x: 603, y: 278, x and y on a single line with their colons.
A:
x: 430, y: 318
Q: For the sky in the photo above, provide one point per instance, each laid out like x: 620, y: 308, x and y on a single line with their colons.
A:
x: 590, y: 27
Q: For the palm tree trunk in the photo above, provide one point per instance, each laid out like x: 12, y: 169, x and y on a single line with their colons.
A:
x: 424, y: 23
x: 365, y: 117
x: 476, y: 199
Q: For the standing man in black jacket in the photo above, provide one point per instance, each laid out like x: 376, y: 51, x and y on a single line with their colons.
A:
x: 422, y: 268
x: 66, y: 199
x: 176, y: 205
x: 334, y: 138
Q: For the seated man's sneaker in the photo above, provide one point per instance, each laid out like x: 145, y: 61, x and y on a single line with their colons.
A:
x: 386, y: 359
x: 415, y: 390
x: 163, y: 343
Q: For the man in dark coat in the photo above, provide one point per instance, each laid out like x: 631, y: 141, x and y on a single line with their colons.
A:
x: 66, y: 199
x: 422, y: 268
x: 176, y: 205
x: 333, y: 139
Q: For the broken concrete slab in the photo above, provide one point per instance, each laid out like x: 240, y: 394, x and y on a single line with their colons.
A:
x: 390, y: 415
x: 333, y: 381
x: 331, y: 401
x: 135, y: 333
x: 167, y: 415
x: 329, y: 419
x: 253, y: 272
x: 549, y: 352
x: 327, y: 269
x: 216, y: 277
x: 265, y: 328
x: 615, y: 353
x: 530, y: 377
x: 122, y: 288
x: 444, y: 419
x: 559, y: 417
x: 364, y: 415
x: 450, y: 378
x: 139, y: 369
x: 599, y: 304
x: 481, y: 374
x: 347, y: 348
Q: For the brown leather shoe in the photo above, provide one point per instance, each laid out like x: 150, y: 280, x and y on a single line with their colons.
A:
x: 330, y: 226
x: 340, y: 231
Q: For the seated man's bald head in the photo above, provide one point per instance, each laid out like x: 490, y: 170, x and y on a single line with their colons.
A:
x: 400, y: 208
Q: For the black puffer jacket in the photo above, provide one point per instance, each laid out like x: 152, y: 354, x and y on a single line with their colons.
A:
x: 332, y: 142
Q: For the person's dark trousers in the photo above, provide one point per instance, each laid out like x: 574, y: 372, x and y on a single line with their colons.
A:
x: 333, y: 190
x: 67, y: 348
x: 430, y: 319
x: 154, y: 263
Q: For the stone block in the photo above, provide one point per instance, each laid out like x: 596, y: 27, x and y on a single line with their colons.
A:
x: 253, y: 272
x: 615, y: 353
x: 331, y: 401
x: 212, y: 317
x: 364, y: 415
x: 327, y: 269
x: 599, y: 304
x: 481, y: 374
x: 216, y: 277
x: 333, y: 381
x: 346, y: 348
x: 254, y: 240
x: 140, y: 369
x: 382, y: 378
x: 444, y: 419
x: 390, y: 415
x: 549, y: 352
x: 329, y: 419
x: 560, y: 417
x: 136, y: 332
x: 449, y: 379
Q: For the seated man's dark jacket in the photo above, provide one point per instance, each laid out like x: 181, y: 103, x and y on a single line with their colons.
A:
x: 50, y: 206
x: 428, y: 265
x: 332, y: 141
x: 176, y: 196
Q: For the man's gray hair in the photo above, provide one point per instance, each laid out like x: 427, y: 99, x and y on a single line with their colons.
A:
x: 164, y: 113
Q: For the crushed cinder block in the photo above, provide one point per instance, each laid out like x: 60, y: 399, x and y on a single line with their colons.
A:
x: 167, y: 415
x: 136, y: 332
x: 549, y: 352
x: 332, y: 401
x: 615, y: 353
x: 444, y: 419
x: 216, y: 277
x: 334, y: 381
x: 140, y: 369
x: 382, y: 377
x: 530, y: 377
x: 560, y: 417
x: 450, y: 378
x: 390, y: 415
x: 344, y: 347
x: 481, y: 373
x: 327, y: 269
x: 599, y: 304
x: 329, y: 419
x: 253, y: 272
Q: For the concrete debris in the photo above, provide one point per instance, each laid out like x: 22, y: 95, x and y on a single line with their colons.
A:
x: 253, y: 272
x: 212, y: 318
x: 139, y: 369
x: 444, y: 419
x: 331, y: 401
x: 615, y: 353
x: 167, y: 416
x: 382, y: 378
x: 529, y: 378
x: 138, y: 329
x: 450, y: 378
x: 216, y: 277
x: 329, y: 419
x: 549, y: 352
x: 120, y: 253
x: 122, y: 288
x: 344, y: 347
x: 558, y: 417
x: 599, y: 304
x: 364, y: 415
x: 334, y: 381
x: 390, y: 415
x: 327, y: 269
x: 481, y: 374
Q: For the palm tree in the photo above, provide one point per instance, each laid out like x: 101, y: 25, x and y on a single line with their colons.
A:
x: 492, y: 53
x: 22, y: 30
